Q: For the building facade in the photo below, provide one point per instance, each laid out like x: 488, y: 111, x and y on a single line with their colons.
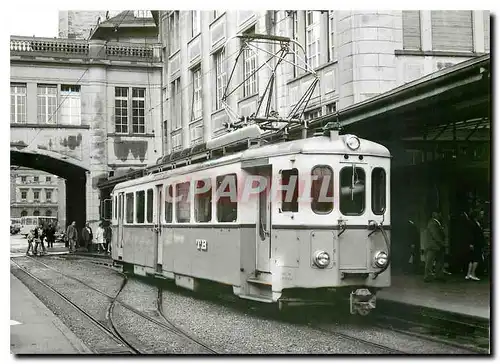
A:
x: 355, y: 54
x: 94, y: 105
x: 36, y: 193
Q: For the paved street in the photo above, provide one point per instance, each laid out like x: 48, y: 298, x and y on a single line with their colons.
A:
x: 19, y: 245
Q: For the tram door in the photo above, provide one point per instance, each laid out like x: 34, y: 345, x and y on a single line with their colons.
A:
x: 158, y: 244
x: 263, y: 233
x: 119, y: 235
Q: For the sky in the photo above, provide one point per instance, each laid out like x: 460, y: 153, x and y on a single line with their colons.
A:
x: 36, y: 22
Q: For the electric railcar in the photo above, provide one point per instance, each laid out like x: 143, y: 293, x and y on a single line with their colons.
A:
x: 303, y: 220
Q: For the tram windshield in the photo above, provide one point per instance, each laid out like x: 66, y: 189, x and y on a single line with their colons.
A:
x: 352, y: 190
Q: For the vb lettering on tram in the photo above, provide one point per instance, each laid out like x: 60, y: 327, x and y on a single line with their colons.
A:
x: 297, y: 221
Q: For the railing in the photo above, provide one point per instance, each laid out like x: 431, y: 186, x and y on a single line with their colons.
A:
x: 44, y: 45
x: 70, y: 48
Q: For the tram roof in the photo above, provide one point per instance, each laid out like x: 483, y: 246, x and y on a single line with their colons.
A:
x: 314, y: 145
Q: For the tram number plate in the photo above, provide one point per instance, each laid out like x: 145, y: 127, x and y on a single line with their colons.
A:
x: 201, y: 244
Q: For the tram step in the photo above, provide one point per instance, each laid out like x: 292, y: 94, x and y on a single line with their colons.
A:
x: 255, y: 280
x: 257, y: 298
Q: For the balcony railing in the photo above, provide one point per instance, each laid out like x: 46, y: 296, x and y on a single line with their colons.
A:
x: 76, y: 48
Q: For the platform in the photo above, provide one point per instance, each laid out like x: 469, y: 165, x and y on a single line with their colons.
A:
x: 456, y: 295
x: 34, y: 329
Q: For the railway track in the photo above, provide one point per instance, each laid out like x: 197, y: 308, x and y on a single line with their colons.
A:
x: 167, y: 325
x: 122, y: 347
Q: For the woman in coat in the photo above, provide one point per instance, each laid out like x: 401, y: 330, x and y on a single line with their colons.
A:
x: 99, y: 238
x: 476, y: 247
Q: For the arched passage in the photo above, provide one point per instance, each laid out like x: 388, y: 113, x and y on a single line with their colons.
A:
x: 71, y: 170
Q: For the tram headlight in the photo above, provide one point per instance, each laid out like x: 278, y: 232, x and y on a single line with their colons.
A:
x: 381, y: 259
x: 353, y: 142
x: 321, y: 259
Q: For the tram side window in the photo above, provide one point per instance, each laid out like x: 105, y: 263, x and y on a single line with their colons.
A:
x: 115, y: 207
x: 290, y: 190
x: 183, y: 202
x: 203, y: 201
x: 227, y: 198
x: 169, y: 197
x: 378, y: 191
x: 149, y: 206
x: 352, y: 191
x: 139, y: 207
x: 322, y: 190
x: 129, y: 200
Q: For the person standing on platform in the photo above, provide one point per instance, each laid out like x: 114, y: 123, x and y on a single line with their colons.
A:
x: 72, y: 236
x: 31, y: 238
x: 476, y: 247
x: 435, y: 248
x: 87, y: 236
x: 107, y: 238
x: 99, y: 239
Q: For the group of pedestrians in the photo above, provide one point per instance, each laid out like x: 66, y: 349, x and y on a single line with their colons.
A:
x: 101, y: 242
x: 38, y: 236
x: 469, y: 243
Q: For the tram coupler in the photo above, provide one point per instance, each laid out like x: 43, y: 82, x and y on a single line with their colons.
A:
x: 362, y: 301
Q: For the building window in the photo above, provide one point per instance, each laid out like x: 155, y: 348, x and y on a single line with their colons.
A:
x: 23, y: 179
x: 196, y: 133
x: 352, y: 191
x: 195, y: 22
x: 331, y: 108
x: 227, y: 198
x: 196, y: 108
x: 312, y: 114
x: 48, y: 195
x: 249, y: 74
x: 121, y: 106
x: 312, y: 38
x: 183, y: 203
x: 138, y: 109
x: 220, y: 78
x: 203, y: 201
x: 331, y: 35
x: 36, y: 195
x: 47, y: 103
x: 24, y: 213
x: 176, y: 142
x: 70, y: 105
x: 322, y: 190
x: 48, y: 179
x: 17, y: 103
x: 149, y: 206
x: 36, y: 213
x: 452, y: 30
x: 140, y: 203
x: 411, y: 30
x: 174, y: 31
x: 48, y: 213
x: 129, y: 208
x: 176, y: 104
x: 36, y: 179
x: 24, y: 195
x: 290, y: 190
x: 378, y: 191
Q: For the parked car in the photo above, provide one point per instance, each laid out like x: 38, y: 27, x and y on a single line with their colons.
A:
x: 15, y: 226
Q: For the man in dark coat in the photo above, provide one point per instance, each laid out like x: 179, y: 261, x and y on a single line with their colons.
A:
x: 87, y: 236
x: 72, y: 236
x: 435, y: 248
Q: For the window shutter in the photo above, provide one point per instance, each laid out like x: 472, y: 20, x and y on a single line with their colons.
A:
x: 452, y: 30
x: 411, y: 29
x: 486, y: 18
